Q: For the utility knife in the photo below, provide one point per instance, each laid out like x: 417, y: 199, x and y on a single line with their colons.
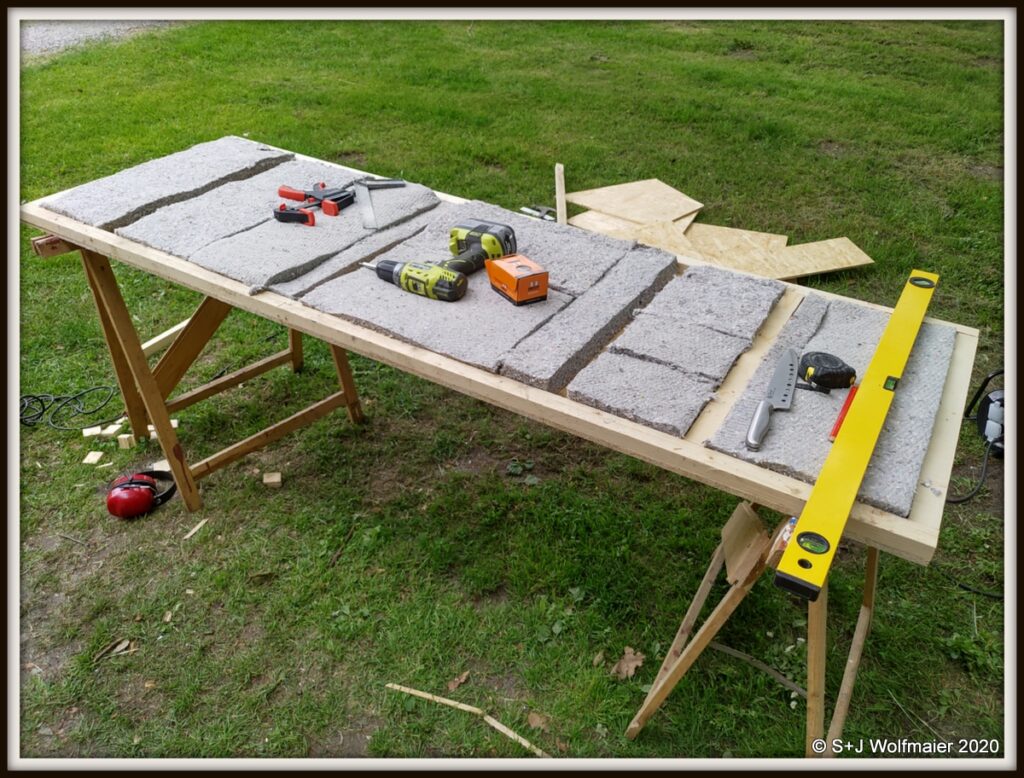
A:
x: 779, y: 397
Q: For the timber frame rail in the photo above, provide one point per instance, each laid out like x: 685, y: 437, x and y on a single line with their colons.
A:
x: 746, y: 551
x: 913, y: 538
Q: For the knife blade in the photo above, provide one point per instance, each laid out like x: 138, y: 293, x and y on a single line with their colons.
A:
x: 779, y: 397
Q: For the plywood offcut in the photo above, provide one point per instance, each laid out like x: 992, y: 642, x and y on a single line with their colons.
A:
x: 595, y: 221
x: 823, y: 256
x: 650, y: 200
x: 714, y: 239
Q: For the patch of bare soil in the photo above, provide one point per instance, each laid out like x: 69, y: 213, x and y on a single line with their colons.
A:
x: 994, y: 63
x: 351, y: 157
x: 508, y: 687
x: 831, y: 148
x: 490, y: 599
x: 353, y: 742
x: 45, y: 607
x: 479, y: 460
x: 987, y: 172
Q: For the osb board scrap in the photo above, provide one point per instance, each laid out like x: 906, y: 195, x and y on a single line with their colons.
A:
x: 744, y: 250
x: 595, y: 221
x: 684, y: 222
x: 650, y: 200
x: 670, y: 237
x: 762, y: 253
x: 823, y: 256
x: 715, y: 239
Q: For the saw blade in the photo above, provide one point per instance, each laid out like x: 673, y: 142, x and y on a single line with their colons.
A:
x: 366, y: 207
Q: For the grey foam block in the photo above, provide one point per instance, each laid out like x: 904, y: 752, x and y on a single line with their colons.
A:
x: 797, y: 441
x: 903, y: 444
x: 274, y: 252
x: 116, y: 200
x: 370, y: 249
x: 570, y: 339
x: 733, y: 303
x: 645, y: 392
x: 185, y: 227
x: 575, y: 259
x: 682, y: 345
x: 478, y: 329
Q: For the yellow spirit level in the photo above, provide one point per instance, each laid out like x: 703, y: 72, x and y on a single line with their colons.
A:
x: 805, y: 563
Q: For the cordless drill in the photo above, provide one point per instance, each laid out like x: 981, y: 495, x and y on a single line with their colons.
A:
x: 434, y: 281
x: 472, y: 243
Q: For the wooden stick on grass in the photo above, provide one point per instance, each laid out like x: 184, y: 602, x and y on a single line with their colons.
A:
x: 470, y: 709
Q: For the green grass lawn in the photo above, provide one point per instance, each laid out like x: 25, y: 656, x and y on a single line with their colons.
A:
x: 472, y: 539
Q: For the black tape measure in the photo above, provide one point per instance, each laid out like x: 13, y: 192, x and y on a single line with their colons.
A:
x: 826, y: 370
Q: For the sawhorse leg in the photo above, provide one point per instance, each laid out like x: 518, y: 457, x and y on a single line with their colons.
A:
x: 146, y: 391
x: 817, y: 644
x: 743, y: 552
x: 112, y: 304
x: 860, y: 636
x: 747, y: 553
x: 135, y: 409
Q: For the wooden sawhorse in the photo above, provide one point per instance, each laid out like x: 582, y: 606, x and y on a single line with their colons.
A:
x: 146, y: 391
x: 746, y: 552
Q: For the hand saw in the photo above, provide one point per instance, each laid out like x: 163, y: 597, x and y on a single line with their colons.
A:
x: 805, y: 563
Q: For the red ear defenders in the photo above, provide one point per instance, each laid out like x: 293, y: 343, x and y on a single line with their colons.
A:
x: 137, y: 494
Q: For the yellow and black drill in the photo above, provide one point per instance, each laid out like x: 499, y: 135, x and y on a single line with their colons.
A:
x: 472, y: 243
x: 433, y: 281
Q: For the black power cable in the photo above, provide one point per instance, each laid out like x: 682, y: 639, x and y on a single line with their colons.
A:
x: 968, y: 587
x: 981, y: 480
x: 57, y: 410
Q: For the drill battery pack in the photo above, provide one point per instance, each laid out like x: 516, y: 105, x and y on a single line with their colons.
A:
x: 518, y: 279
x: 497, y: 240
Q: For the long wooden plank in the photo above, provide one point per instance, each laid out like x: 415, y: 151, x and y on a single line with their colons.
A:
x: 159, y: 342
x: 560, y: 215
x: 914, y: 539
x: 268, y: 435
x: 295, y: 348
x: 692, y: 614
x: 817, y: 644
x: 715, y: 621
x: 348, y: 385
x: 860, y: 636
